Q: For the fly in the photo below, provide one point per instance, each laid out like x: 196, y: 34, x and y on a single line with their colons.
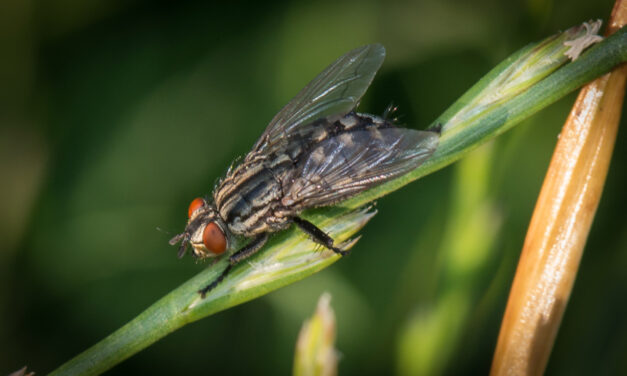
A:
x: 315, y: 152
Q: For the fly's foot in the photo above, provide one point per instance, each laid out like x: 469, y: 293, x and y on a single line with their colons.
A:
x: 340, y: 252
x: 343, y: 249
x: 203, y: 292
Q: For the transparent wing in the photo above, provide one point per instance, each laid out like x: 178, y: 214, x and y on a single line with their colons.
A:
x: 354, y: 161
x: 334, y: 92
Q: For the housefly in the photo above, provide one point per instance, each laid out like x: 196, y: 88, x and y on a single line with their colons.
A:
x: 315, y: 152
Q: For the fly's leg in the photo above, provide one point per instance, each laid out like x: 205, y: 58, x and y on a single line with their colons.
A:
x: 244, y: 253
x: 215, y: 282
x: 318, y: 235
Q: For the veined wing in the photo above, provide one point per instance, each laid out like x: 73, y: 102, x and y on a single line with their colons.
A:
x: 352, y: 162
x: 334, y: 92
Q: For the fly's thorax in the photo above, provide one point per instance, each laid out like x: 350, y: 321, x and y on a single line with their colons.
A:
x: 247, y: 197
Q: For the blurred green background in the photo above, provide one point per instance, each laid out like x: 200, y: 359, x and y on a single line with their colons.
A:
x: 115, y: 114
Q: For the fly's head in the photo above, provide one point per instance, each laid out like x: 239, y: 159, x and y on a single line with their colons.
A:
x: 205, y: 231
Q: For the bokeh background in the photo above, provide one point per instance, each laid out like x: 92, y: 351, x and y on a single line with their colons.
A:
x: 115, y: 114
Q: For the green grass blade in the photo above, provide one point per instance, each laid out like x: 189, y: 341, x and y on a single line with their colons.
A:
x: 289, y: 257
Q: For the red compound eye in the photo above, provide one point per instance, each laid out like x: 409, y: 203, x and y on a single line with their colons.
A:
x: 196, y: 204
x: 214, y: 239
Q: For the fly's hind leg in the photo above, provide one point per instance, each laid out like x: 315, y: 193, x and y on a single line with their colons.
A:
x: 249, y: 249
x: 318, y: 235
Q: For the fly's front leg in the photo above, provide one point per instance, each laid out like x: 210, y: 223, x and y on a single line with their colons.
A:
x: 244, y: 253
x: 318, y: 235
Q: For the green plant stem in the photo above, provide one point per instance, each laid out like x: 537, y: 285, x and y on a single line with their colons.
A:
x: 246, y: 282
x: 184, y: 305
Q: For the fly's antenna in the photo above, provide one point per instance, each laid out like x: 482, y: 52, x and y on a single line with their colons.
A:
x: 183, y: 247
x: 177, y: 238
x: 184, y: 239
x: 163, y: 230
